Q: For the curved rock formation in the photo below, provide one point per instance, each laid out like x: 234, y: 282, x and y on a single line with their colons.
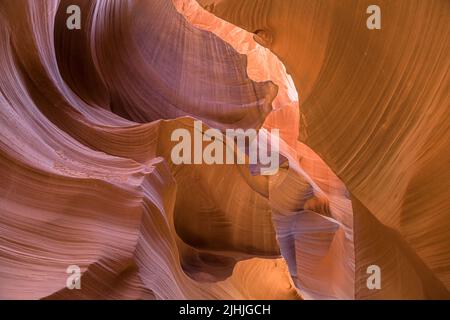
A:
x: 78, y: 178
x: 374, y: 106
x: 88, y: 178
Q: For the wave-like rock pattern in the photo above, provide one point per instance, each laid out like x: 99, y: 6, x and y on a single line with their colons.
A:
x: 374, y: 105
x: 84, y: 186
x: 88, y: 180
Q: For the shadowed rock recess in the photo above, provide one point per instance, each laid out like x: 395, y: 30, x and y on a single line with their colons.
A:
x: 88, y: 180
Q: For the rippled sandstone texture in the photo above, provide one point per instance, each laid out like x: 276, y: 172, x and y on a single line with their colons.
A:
x: 87, y: 177
x: 374, y: 105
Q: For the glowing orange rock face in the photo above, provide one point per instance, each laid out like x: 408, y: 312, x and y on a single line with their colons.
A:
x: 374, y: 105
x: 88, y: 179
